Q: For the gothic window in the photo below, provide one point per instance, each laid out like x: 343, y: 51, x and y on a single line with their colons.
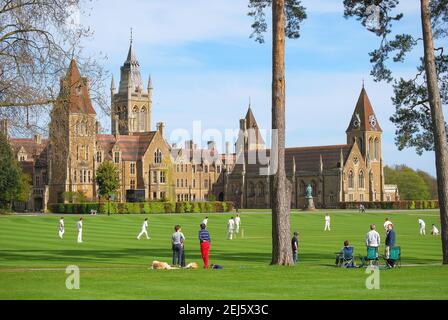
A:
x: 99, y: 156
x: 360, y: 144
x: 89, y: 176
x: 154, y: 176
x: 251, y: 189
x: 132, y: 168
x: 194, y: 183
x: 314, y: 186
x: 132, y: 184
x: 351, y: 179
x: 75, y: 176
x: 361, y: 180
x: 206, y: 183
x: 87, y: 152
x: 206, y: 168
x: 135, y: 119
x: 77, y: 152
x: 162, y: 177
x: 142, y: 121
x: 193, y: 168
x: 371, y: 148
x: 302, y: 187
x: 117, y: 157
x: 377, y: 151
x: 158, y: 156
x: 260, y: 189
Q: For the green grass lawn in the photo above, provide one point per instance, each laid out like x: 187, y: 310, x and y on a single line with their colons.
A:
x: 114, y: 264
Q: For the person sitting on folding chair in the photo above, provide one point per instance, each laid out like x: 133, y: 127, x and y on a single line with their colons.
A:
x: 345, y: 257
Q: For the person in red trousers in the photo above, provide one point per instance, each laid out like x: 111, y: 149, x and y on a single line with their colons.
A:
x: 204, y: 240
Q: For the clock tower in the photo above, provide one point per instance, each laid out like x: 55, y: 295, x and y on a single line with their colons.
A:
x: 365, y: 129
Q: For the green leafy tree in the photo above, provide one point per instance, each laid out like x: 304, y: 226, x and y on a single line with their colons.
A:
x: 108, y: 179
x: 431, y: 182
x: 287, y: 15
x: 14, y: 185
x: 418, y: 100
x: 410, y: 184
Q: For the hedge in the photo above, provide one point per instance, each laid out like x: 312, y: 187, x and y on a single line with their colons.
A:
x: 395, y: 205
x: 142, y: 207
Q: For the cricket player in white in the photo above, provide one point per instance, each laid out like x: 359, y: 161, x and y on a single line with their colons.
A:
x: 79, y: 226
x: 422, y: 225
x: 327, y: 222
x: 61, y: 228
x: 434, y: 231
x: 230, y: 227
x: 237, y: 223
x: 144, y: 230
x: 205, y: 221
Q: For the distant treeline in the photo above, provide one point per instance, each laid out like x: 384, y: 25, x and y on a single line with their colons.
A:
x: 412, y: 184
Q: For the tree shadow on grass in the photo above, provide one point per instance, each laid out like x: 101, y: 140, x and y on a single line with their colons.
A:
x: 136, y: 256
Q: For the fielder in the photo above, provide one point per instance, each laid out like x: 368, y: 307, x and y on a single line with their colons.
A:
x: 327, y: 222
x: 434, y: 231
x: 422, y: 226
x: 61, y: 228
x: 79, y: 226
x: 205, y: 221
x: 144, y: 230
x: 230, y: 227
x: 387, y: 222
x: 237, y: 223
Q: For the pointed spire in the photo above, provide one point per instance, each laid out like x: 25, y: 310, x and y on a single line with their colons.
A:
x: 364, y: 117
x: 341, y: 160
x: 112, y: 84
x: 149, y: 83
x: 294, y: 165
x: 249, y: 103
x: 321, y: 164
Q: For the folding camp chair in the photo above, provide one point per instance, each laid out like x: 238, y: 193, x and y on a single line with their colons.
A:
x: 347, y: 260
x: 372, y: 256
x: 395, y: 256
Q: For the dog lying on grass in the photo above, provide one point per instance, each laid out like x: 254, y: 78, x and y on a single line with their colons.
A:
x: 158, y: 265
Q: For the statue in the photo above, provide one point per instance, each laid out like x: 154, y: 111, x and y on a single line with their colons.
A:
x: 309, y: 191
x: 309, y: 202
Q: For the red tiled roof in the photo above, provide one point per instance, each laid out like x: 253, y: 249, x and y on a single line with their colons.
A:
x: 132, y: 147
x: 306, y: 158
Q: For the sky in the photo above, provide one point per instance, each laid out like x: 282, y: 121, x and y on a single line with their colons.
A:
x: 204, y: 67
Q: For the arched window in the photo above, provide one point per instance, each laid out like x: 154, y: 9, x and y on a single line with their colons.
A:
x: 158, y: 156
x: 314, y: 188
x: 377, y: 151
x: 251, y: 189
x: 361, y: 180
x: 142, y: 121
x: 371, y: 149
x: 260, y: 189
x: 135, y: 119
x: 360, y: 144
x: 302, y: 188
x: 350, y: 179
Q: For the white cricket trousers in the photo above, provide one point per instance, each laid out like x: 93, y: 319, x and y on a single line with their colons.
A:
x: 61, y: 233
x: 237, y: 230
x: 327, y: 226
x: 79, y: 236
x: 230, y: 234
x: 144, y: 232
x: 422, y: 231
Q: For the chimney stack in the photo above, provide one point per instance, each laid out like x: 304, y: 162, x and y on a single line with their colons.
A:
x: 38, y: 138
x: 160, y: 127
x: 188, y: 144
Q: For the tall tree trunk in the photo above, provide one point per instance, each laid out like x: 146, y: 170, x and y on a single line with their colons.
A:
x: 281, y: 189
x: 438, y: 124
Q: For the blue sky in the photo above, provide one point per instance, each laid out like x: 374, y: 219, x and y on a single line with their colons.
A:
x: 205, y: 67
